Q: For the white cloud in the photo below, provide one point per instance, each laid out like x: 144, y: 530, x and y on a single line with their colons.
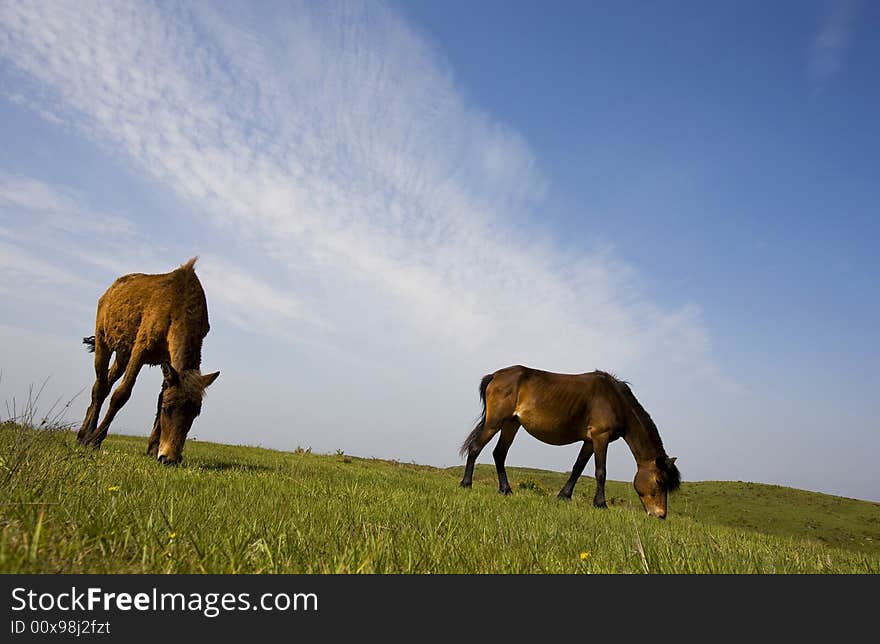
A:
x: 333, y: 144
x: 19, y: 269
x: 59, y: 208
x: 45, y: 220
x: 251, y: 303
x: 833, y: 40
x: 338, y: 142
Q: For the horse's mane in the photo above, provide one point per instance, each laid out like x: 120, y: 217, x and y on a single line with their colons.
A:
x: 190, y: 264
x: 190, y: 383
x: 671, y: 475
x: 642, y: 413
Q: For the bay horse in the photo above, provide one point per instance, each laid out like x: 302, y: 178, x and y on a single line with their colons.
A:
x: 155, y: 320
x: 560, y: 409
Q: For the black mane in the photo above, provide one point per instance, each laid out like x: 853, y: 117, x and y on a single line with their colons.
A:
x: 671, y: 477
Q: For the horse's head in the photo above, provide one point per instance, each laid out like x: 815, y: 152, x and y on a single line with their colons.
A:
x: 654, y: 479
x: 182, y: 393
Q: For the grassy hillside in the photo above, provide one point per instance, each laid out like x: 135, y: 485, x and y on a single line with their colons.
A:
x: 243, y: 510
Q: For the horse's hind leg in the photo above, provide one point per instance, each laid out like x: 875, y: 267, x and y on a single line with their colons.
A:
x: 119, y: 398
x: 119, y: 364
x: 474, y: 451
x: 600, y: 444
x: 498, y: 410
x: 99, y: 390
x: 508, y: 432
x: 576, y: 471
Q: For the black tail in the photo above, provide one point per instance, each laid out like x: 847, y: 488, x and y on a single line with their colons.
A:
x: 478, y: 428
x: 90, y: 343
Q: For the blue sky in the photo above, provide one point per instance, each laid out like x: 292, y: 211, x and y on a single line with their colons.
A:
x: 390, y: 200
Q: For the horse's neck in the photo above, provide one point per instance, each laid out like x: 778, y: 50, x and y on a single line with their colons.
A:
x: 641, y: 443
x: 186, y: 357
x: 188, y: 331
x: 186, y: 350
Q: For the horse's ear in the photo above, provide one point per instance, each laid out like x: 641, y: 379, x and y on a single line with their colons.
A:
x: 209, y: 378
x: 672, y: 460
x: 172, y: 377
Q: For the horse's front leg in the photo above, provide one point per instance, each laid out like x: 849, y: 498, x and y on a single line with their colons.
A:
x: 153, y: 443
x: 576, y: 471
x: 600, y: 445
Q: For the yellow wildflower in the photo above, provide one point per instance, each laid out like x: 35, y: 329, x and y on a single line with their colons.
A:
x: 114, y: 488
x: 585, y: 555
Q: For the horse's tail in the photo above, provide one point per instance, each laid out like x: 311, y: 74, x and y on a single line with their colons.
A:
x: 90, y: 343
x: 478, y: 428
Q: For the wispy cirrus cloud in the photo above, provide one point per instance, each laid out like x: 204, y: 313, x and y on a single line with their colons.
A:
x: 367, y: 211
x: 335, y: 140
x: 58, y: 207
x: 46, y: 230
x: 253, y: 304
x: 33, y: 211
x: 833, y: 40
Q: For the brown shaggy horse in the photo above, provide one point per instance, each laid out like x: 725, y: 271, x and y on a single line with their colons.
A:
x: 560, y: 409
x: 151, y: 319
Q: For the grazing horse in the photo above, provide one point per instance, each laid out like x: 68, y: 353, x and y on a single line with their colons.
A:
x: 560, y: 409
x: 151, y: 319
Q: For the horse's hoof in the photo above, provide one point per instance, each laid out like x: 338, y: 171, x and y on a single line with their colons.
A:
x: 563, y: 497
x: 601, y: 506
x: 505, y: 491
x: 465, y: 485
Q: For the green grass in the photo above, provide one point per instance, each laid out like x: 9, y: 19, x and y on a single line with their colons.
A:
x: 249, y: 510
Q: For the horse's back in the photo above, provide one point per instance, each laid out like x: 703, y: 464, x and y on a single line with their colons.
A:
x: 142, y: 305
x: 547, y: 379
x: 556, y: 408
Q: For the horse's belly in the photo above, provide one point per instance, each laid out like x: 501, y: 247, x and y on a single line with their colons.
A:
x: 551, y: 433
